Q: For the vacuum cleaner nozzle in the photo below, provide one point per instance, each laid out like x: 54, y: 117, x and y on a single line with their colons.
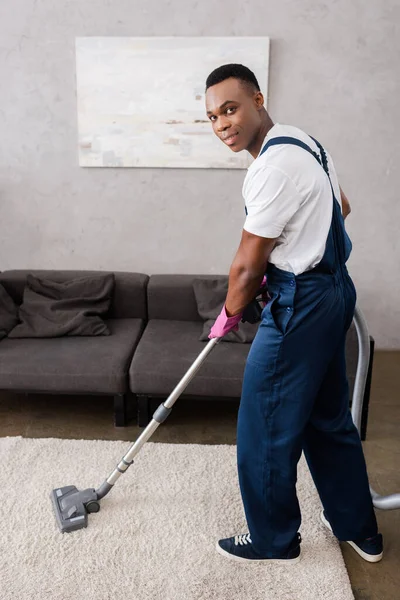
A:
x: 72, y: 507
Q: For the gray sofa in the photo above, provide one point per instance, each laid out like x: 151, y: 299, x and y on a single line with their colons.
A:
x: 78, y: 365
x: 155, y: 328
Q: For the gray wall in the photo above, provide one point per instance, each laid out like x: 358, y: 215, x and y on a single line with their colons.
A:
x: 334, y: 72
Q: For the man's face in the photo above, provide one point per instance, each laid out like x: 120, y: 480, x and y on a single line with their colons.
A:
x: 234, y: 112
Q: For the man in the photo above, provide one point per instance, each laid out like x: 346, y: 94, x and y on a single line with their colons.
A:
x: 295, y: 392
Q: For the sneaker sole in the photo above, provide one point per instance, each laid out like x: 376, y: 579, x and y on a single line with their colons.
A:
x: 281, y: 561
x: 372, y: 558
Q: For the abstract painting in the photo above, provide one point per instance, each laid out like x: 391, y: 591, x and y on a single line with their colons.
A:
x: 141, y: 100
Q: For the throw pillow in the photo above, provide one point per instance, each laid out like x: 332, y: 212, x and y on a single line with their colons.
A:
x: 210, y: 294
x: 71, y: 308
x: 8, y: 313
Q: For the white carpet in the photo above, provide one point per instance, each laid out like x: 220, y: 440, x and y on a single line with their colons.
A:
x: 154, y: 536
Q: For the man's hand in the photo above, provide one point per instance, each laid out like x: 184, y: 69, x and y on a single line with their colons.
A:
x: 247, y: 271
x: 224, y: 324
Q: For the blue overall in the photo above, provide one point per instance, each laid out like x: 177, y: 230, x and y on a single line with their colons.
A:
x: 295, y: 398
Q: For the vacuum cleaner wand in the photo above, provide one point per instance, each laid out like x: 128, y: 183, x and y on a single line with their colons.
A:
x: 72, y: 506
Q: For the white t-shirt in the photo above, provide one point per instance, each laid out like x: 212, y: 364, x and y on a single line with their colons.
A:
x: 288, y: 196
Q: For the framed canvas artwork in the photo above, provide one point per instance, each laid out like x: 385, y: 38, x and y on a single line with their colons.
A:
x: 141, y: 101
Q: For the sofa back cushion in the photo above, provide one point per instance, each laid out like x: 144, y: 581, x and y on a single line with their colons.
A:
x: 129, y: 299
x: 172, y: 297
x: 74, y: 307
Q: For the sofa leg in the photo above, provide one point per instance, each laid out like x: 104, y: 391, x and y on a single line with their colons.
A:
x: 120, y: 410
x: 144, y: 410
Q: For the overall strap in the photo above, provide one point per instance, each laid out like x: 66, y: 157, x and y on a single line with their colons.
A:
x: 324, y: 158
x: 295, y: 142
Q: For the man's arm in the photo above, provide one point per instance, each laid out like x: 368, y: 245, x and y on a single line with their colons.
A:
x: 346, y: 209
x: 247, y: 271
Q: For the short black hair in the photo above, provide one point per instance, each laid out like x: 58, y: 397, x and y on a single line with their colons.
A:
x: 233, y: 70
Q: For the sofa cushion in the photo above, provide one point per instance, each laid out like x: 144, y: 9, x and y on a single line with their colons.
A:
x: 8, y: 313
x: 210, y: 296
x: 71, y: 364
x: 166, y: 351
x: 72, y: 307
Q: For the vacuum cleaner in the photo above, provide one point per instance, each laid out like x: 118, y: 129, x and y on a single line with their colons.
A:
x: 72, y: 506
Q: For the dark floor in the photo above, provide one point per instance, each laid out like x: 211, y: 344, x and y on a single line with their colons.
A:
x: 215, y: 423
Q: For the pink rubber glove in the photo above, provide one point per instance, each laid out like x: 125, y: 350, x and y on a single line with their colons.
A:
x: 224, y: 324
